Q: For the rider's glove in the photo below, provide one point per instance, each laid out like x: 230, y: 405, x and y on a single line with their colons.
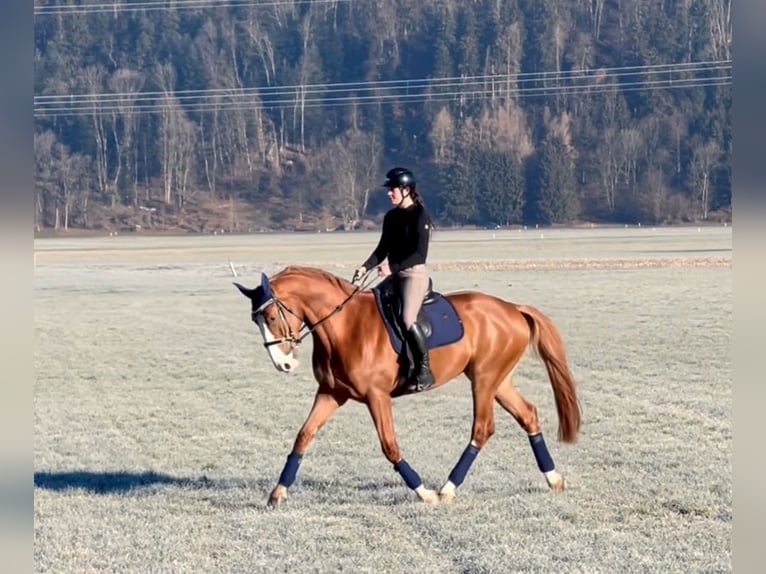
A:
x: 358, y: 274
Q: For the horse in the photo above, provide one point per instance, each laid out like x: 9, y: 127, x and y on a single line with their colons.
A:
x: 353, y: 359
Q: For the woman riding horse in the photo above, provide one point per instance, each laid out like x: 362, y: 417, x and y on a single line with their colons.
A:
x: 354, y: 359
x: 404, y: 242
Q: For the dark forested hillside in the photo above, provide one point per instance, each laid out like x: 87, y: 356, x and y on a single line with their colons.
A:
x: 246, y: 114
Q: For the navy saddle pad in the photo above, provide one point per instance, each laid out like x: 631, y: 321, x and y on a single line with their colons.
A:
x: 437, y: 317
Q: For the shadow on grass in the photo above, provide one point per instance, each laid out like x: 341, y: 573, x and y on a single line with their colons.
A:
x: 387, y: 492
x: 123, y: 481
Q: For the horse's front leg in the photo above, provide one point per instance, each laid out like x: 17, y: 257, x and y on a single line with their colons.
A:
x: 379, y: 405
x: 325, y: 405
x: 483, y: 428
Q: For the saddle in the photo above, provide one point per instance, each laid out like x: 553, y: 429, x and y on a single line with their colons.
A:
x: 437, y: 316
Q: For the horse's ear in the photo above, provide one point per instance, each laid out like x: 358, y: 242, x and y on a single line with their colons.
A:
x: 244, y: 290
x: 266, y: 287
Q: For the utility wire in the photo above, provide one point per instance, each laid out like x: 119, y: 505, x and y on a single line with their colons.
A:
x: 165, y: 5
x: 420, y: 83
x: 305, y: 95
x: 414, y: 98
x: 672, y: 76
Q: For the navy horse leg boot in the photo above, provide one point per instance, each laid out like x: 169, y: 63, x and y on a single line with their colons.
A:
x: 421, y: 377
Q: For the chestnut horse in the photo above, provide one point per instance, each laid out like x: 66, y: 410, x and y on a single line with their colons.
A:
x: 354, y: 359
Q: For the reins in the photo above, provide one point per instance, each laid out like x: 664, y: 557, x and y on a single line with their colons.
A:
x: 297, y: 339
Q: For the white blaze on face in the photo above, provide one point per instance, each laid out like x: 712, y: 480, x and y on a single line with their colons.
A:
x: 284, y: 362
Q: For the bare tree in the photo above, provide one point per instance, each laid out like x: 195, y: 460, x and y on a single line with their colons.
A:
x: 125, y: 85
x: 651, y: 136
x: 177, y: 141
x: 596, y: 8
x: 177, y: 135
x: 65, y: 196
x: 560, y: 34
x: 93, y: 79
x: 560, y: 126
x: 502, y: 128
x: 442, y: 136
x: 74, y: 186
x: 656, y: 193
x: 45, y: 184
x: 60, y: 180
x: 705, y: 160
x: 581, y: 53
x: 678, y: 125
x: 350, y: 162
x: 260, y: 42
x: 239, y: 113
x: 307, y: 66
x: 82, y: 185
x: 508, y: 51
x: 629, y: 147
x: 608, y: 166
x: 233, y: 135
x: 508, y: 130
x: 720, y: 28
x: 185, y: 137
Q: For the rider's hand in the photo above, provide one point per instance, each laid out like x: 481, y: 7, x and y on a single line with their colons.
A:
x: 359, y: 273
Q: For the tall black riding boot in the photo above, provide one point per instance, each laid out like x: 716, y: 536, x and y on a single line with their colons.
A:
x: 421, y: 377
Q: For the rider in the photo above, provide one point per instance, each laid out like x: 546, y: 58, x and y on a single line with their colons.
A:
x: 404, y: 242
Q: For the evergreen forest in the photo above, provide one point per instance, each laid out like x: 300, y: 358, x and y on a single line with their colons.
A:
x: 247, y: 115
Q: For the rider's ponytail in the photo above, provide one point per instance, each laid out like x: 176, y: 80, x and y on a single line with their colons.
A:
x: 416, y: 196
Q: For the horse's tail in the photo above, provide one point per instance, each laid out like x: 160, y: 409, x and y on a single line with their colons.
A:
x: 547, y: 341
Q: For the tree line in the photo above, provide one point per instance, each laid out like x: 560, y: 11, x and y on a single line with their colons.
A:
x: 509, y: 111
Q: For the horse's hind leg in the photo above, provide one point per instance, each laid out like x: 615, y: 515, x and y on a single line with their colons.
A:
x: 525, y: 414
x: 379, y: 405
x: 325, y: 405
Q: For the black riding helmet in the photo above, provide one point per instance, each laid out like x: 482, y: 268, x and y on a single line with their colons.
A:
x: 399, y: 177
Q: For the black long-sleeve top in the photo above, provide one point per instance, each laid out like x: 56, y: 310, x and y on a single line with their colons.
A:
x: 404, y: 239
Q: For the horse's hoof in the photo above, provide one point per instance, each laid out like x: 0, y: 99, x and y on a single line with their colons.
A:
x: 447, y: 494
x: 277, y: 496
x: 555, y: 481
x: 447, y: 497
x: 427, y: 495
x: 558, y: 486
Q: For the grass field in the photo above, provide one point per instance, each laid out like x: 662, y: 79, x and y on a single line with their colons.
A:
x: 161, y: 426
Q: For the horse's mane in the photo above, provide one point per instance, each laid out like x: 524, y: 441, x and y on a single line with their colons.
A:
x: 320, y: 275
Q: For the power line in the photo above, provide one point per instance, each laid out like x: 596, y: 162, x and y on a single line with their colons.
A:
x: 164, y: 5
x: 207, y: 106
x: 311, y: 93
x: 411, y: 91
x: 419, y: 83
x: 255, y: 103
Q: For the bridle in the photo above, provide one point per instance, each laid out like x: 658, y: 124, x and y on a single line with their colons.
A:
x: 294, y: 338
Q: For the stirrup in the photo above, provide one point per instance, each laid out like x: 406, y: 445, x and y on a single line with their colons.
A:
x: 421, y: 380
